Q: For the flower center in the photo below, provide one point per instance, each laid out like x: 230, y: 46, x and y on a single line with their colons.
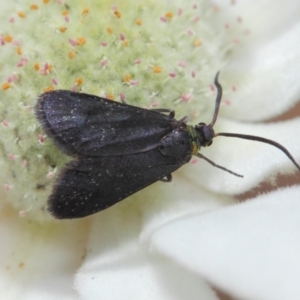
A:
x: 154, y: 54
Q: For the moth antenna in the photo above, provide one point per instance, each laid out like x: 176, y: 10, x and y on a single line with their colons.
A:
x: 262, y: 140
x: 218, y: 166
x: 218, y: 100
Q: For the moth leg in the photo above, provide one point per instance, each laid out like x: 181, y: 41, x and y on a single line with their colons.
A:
x: 184, y: 119
x: 168, y: 178
x: 165, y: 110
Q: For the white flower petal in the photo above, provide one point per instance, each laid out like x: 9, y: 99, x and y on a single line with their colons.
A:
x: 181, y: 197
x: 250, y: 250
x: 256, y: 161
x: 116, y: 266
x: 264, y: 70
x: 38, y: 261
x: 265, y: 19
x: 137, y: 277
x: 266, y: 77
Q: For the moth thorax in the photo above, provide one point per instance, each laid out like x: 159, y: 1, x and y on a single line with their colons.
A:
x: 176, y: 143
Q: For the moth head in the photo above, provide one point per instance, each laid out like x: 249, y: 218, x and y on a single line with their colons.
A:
x: 205, y: 134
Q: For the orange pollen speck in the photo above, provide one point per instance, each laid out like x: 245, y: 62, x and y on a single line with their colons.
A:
x: 34, y: 7
x: 8, y: 38
x: 49, y: 88
x: 110, y: 96
x: 71, y: 54
x: 81, y: 41
x: 6, y: 86
x: 169, y: 15
x: 85, y: 11
x: 138, y: 22
x: 46, y: 1
x: 157, y: 69
x: 62, y: 29
x: 127, y: 78
x: 64, y: 12
x: 36, y: 66
x: 109, y: 30
x: 79, y: 81
x: 50, y: 68
x: 19, y: 50
x: 21, y: 14
x: 197, y: 42
x: 117, y: 14
x: 125, y: 44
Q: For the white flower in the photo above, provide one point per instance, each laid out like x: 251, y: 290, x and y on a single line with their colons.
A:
x: 169, y: 241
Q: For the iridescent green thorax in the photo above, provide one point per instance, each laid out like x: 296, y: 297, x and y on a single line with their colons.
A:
x: 195, y: 144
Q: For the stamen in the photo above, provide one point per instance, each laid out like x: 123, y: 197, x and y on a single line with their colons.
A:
x: 197, y: 43
x: 117, y: 14
x: 21, y: 14
x: 36, y: 66
x: 104, y: 62
x: 49, y: 88
x: 138, y: 22
x: 85, y: 11
x: 169, y: 15
x: 122, y: 37
x: 42, y: 138
x: 54, y: 81
x: 50, y: 175
x: 127, y: 78
x: 71, y: 54
x: 6, y: 86
x: 19, y: 51
x: 109, y: 30
x: 22, y: 62
x: 157, y: 69
x: 81, y: 41
x: 110, y: 96
x: 187, y: 97
x: 8, y: 38
x: 79, y: 81
x: 12, y: 157
x: 34, y: 7
x: 4, y: 123
x: 73, y: 42
x: 122, y: 97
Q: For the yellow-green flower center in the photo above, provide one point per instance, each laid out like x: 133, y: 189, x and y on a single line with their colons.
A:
x: 150, y: 53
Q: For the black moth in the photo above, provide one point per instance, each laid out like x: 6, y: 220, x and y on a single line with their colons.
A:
x: 119, y: 149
